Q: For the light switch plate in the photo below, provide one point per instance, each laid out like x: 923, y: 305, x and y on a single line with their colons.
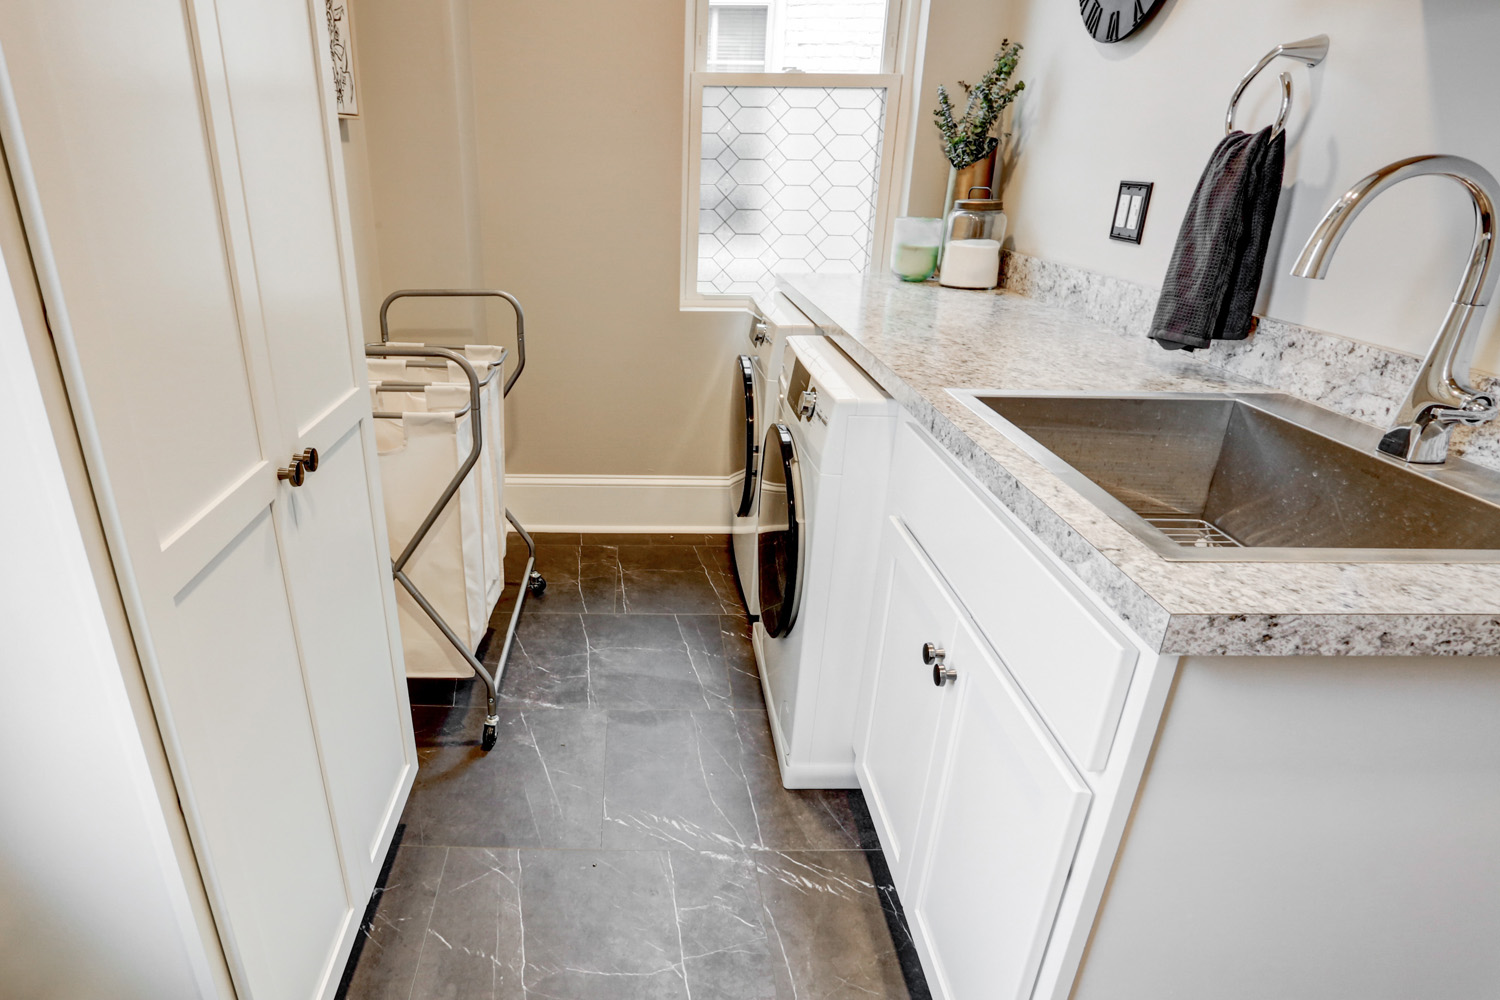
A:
x: 1130, y: 211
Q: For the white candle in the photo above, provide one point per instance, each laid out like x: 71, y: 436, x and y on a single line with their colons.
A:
x: 971, y: 264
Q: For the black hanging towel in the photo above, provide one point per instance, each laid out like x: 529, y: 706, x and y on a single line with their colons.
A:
x: 1214, y: 278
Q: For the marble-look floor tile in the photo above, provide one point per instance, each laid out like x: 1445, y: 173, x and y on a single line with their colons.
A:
x: 712, y: 864
x: 541, y: 786
x: 676, y: 779
x: 473, y: 947
x: 675, y: 591
x: 824, y: 918
x: 716, y: 558
x: 659, y: 557
x: 392, y: 940
x: 600, y: 581
x: 644, y: 661
x: 739, y: 661
x: 549, y: 663
x: 704, y: 636
x: 726, y: 953
x: 814, y: 819
x: 562, y: 567
x: 718, y: 563
x: 600, y: 925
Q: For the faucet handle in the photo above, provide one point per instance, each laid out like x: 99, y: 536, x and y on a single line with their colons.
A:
x: 1479, y: 408
x: 1423, y: 439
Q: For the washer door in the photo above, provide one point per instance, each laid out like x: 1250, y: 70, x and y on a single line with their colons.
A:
x: 744, y: 433
x: 781, y: 535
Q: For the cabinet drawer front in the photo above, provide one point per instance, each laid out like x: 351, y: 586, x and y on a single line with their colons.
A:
x: 1071, y: 662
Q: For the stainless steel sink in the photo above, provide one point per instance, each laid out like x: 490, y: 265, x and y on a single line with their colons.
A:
x: 1251, y: 477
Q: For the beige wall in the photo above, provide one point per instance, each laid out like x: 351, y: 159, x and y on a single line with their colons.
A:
x: 1403, y: 77
x: 538, y: 148
x: 959, y: 42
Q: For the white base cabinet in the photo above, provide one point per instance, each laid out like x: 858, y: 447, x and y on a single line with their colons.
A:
x: 1308, y: 827
x: 979, y: 809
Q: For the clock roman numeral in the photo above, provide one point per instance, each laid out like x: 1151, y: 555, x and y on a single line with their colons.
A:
x: 1091, y: 19
x: 1112, y: 32
x: 1140, y: 12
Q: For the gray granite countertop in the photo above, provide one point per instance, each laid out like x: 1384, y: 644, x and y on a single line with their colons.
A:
x: 919, y: 340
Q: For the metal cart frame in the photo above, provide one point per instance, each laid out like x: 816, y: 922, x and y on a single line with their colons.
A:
x: 531, y: 581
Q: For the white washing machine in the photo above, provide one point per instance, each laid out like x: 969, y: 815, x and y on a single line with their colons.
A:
x: 755, y: 392
x: 825, y: 462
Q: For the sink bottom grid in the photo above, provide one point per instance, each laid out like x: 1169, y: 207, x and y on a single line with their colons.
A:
x: 1193, y: 532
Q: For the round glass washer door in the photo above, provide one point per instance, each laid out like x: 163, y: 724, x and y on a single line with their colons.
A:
x: 781, y: 533
x: 743, y: 433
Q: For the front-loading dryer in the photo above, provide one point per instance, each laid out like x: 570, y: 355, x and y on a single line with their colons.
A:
x: 754, y: 391
x: 825, y: 461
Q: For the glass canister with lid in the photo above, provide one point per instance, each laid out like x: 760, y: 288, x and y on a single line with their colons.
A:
x: 971, y: 242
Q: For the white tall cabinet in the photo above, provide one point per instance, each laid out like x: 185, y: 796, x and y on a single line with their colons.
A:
x: 177, y: 167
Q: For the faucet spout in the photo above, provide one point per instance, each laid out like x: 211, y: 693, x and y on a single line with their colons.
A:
x: 1442, y: 396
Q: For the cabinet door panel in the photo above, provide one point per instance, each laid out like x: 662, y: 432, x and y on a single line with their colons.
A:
x: 998, y: 841
x: 906, y: 710
x: 282, y: 141
x: 275, y: 80
x: 124, y: 201
x: 229, y: 668
x: 355, y: 691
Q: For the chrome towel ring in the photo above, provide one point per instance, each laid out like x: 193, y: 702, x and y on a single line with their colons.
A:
x: 1309, y: 50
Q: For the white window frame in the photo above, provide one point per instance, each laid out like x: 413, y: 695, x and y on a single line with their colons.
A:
x: 898, y: 70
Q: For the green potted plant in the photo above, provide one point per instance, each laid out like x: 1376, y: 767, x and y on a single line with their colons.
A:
x: 967, y: 139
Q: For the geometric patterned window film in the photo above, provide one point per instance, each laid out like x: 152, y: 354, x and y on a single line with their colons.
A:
x: 787, y: 183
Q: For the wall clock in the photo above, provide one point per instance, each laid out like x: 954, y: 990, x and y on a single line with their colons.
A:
x: 1112, y: 20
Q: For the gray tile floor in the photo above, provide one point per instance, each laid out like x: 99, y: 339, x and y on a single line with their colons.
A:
x: 628, y: 836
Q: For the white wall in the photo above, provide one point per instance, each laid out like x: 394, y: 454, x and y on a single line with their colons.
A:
x: 92, y: 900
x: 818, y: 35
x: 1403, y: 77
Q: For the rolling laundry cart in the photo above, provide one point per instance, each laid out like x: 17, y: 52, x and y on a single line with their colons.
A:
x: 478, y: 424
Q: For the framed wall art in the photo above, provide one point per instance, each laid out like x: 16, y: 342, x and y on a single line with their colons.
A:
x: 341, y: 49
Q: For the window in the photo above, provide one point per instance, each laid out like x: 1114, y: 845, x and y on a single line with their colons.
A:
x: 737, y: 37
x: 790, y: 159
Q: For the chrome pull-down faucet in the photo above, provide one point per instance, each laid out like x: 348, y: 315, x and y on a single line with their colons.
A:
x: 1441, y: 397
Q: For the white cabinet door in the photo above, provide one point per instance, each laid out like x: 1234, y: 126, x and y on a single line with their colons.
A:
x: 998, y: 840
x: 284, y: 144
x: 906, y: 711
x: 189, y: 254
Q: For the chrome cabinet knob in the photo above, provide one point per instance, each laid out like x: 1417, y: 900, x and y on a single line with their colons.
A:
x: 296, y: 473
x: 309, y: 459
x: 759, y: 333
x: 933, y: 655
x: 808, y: 404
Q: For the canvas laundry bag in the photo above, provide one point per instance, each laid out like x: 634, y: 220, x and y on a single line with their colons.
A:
x: 419, y: 454
x: 486, y: 360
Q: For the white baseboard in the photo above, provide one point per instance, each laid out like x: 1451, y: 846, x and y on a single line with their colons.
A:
x: 620, y: 503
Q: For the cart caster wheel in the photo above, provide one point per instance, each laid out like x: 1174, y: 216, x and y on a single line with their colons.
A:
x: 487, y: 741
x: 536, y: 584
